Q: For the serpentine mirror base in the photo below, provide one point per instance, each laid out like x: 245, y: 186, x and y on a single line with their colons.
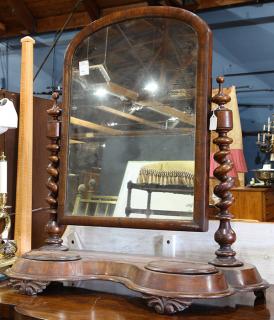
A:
x: 168, y: 285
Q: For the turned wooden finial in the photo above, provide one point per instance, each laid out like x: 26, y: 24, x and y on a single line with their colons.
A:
x: 221, y: 98
x: 225, y: 235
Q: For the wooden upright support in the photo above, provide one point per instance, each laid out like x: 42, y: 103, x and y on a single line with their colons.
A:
x: 23, y: 210
x: 225, y: 235
x: 53, y: 230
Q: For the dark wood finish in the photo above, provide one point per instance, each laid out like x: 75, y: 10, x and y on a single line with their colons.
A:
x: 200, y: 5
x: 53, y: 230
x: 199, y: 222
x: 28, y: 287
x: 51, y: 15
x: 92, y: 9
x: 168, y: 279
x: 165, y: 305
x: 169, y: 286
x: 242, y: 277
x: 224, y: 236
x: 245, y: 278
x: 8, y: 143
x: 23, y: 15
x: 71, y: 303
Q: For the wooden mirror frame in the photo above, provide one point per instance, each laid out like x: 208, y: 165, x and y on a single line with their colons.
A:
x: 169, y: 285
x: 203, y: 92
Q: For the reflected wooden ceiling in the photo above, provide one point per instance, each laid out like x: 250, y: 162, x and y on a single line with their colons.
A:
x: 21, y: 17
x: 131, y: 55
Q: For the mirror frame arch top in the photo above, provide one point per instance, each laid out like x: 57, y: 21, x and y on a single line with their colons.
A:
x: 203, y: 93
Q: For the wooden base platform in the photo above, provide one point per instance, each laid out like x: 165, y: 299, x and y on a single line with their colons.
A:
x: 167, y: 285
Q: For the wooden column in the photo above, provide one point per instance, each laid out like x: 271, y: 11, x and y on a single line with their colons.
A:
x: 225, y: 235
x: 53, y: 230
x: 22, y: 234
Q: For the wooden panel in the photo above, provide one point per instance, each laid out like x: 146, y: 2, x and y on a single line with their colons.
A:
x: 269, y: 205
x: 92, y: 9
x: 130, y: 117
x: 246, y: 206
x: 51, y: 14
x: 253, y: 204
x: 47, y: 8
x: 123, y: 7
x: 40, y: 163
x: 23, y: 14
x: 78, y: 20
x: 94, y: 126
x: 9, y: 142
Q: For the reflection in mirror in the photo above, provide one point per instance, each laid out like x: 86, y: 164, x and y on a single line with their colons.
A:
x: 132, y: 121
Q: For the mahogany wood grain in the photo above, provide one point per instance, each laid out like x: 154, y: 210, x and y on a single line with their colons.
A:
x: 52, y: 228
x: 157, y: 276
x: 225, y: 235
x: 73, y: 303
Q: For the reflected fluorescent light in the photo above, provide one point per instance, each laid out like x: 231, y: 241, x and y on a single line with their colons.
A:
x: 112, y: 124
x: 134, y: 108
x: 100, y: 92
x: 151, y: 86
x: 173, y: 119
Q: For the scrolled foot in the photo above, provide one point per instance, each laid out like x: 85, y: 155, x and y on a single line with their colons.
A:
x: 164, y: 305
x: 28, y: 287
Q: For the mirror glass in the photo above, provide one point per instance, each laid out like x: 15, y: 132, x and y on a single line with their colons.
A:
x: 132, y: 121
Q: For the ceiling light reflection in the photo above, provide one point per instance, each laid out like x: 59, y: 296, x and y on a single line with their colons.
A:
x: 151, y: 86
x: 100, y: 92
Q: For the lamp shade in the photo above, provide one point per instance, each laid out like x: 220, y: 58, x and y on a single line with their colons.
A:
x: 8, y: 115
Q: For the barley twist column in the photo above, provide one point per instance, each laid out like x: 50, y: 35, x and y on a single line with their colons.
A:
x: 54, y: 241
x: 225, y: 235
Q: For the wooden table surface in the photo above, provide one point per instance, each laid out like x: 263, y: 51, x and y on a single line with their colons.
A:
x: 79, y: 304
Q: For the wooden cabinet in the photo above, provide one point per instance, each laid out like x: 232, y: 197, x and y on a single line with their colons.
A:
x: 253, y: 203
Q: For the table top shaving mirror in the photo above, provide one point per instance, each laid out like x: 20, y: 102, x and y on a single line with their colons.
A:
x: 132, y: 133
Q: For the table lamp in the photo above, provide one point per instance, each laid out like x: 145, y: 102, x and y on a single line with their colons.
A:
x: 8, y: 120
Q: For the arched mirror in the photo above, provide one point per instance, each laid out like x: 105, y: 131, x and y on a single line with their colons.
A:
x: 134, y: 153
x: 134, y: 146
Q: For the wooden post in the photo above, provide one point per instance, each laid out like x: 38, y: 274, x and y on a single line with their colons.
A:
x: 225, y: 235
x: 23, y: 215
